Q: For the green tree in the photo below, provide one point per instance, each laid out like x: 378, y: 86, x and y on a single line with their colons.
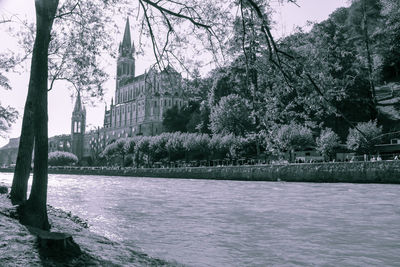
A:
x: 196, y: 146
x: 197, y: 87
x: 231, y: 115
x: 63, y: 64
x: 226, y: 145
x: 390, y: 44
x: 327, y: 143
x: 175, y: 120
x: 364, y: 144
x: 203, y: 124
x: 174, y: 146
x: 158, y: 146
x: 291, y: 137
x: 34, y: 212
x: 143, y: 148
x: 131, y: 148
x: 117, y: 149
x: 8, y: 115
x: 62, y: 158
x: 365, y: 19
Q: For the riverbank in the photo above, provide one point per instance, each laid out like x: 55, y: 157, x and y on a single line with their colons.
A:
x: 332, y: 172
x: 19, y: 248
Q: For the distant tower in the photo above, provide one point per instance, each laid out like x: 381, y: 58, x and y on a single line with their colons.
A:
x: 125, y: 62
x: 78, y: 125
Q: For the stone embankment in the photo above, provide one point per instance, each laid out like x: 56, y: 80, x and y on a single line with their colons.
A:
x: 343, y: 172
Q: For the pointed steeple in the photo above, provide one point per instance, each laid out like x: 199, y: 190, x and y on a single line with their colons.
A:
x: 126, y: 59
x: 78, y: 103
x: 126, y: 42
x: 133, y: 49
x: 78, y: 126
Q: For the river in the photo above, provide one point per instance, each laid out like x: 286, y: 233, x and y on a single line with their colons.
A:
x: 234, y: 223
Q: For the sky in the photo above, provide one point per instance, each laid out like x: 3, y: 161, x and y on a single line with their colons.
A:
x: 287, y: 17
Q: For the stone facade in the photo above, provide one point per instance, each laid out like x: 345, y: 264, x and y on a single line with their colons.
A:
x: 9, y: 152
x: 140, y: 102
x: 78, y: 126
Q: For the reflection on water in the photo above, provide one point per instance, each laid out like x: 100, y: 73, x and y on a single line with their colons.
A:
x: 231, y: 223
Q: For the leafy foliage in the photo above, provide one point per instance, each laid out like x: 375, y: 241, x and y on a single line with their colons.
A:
x: 364, y: 144
x: 117, y: 149
x: 175, y: 119
x: 390, y: 43
x: 62, y: 158
x: 327, y: 143
x: 293, y: 136
x: 231, y: 115
x: 145, y: 150
x: 8, y: 115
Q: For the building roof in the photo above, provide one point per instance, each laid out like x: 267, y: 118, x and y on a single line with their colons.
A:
x: 78, y: 104
x: 126, y: 41
x: 126, y: 48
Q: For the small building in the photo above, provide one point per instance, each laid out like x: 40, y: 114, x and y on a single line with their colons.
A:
x: 309, y: 154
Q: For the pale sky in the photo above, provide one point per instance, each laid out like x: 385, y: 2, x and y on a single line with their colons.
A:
x: 288, y: 17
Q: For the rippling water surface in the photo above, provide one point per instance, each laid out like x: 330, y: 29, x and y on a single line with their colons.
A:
x: 231, y: 223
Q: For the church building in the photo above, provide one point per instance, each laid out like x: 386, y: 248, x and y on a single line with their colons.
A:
x: 140, y: 102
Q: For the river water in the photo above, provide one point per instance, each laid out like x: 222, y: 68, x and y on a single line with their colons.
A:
x: 233, y: 223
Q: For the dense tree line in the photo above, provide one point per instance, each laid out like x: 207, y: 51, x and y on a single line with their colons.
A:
x: 347, y: 56
x: 145, y: 151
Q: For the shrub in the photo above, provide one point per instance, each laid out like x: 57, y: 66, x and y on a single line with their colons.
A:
x: 61, y: 158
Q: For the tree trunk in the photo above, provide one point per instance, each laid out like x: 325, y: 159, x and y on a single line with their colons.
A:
x: 369, y: 59
x: 34, y: 212
x: 24, y: 159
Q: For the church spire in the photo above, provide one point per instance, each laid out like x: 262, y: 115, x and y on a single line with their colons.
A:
x: 126, y: 60
x: 78, y: 103
x: 126, y: 42
x: 78, y: 126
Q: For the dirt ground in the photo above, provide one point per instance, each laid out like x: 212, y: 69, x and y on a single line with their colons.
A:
x: 19, y: 248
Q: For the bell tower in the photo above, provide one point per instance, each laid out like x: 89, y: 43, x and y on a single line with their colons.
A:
x: 78, y: 125
x: 125, y: 61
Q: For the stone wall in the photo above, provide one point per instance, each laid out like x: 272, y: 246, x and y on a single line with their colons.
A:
x: 355, y: 172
